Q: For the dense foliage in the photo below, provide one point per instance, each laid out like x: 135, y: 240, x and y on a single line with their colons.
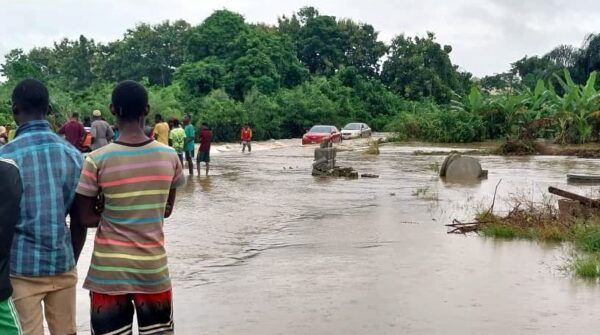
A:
x: 312, y: 68
x: 309, y: 68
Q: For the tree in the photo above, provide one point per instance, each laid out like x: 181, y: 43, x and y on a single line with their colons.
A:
x: 152, y: 51
x: 71, y: 62
x: 17, y: 65
x: 364, y: 50
x: 320, y: 42
x: 215, y: 36
x: 420, y: 68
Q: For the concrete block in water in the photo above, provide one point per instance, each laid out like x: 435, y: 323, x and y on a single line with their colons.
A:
x: 458, y: 167
x: 327, y: 156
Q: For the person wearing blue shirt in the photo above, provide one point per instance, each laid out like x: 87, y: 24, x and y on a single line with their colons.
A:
x: 43, y: 257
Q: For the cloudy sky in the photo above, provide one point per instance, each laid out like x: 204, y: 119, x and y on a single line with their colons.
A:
x: 486, y: 35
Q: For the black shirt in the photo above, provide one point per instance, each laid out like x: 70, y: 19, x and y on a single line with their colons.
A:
x: 10, y: 198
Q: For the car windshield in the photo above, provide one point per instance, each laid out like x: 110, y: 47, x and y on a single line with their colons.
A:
x: 320, y: 129
x: 352, y: 126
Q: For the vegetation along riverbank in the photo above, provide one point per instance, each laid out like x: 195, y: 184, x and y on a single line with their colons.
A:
x: 312, y: 68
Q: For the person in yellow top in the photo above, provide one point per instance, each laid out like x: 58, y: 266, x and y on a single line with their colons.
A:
x: 161, y: 130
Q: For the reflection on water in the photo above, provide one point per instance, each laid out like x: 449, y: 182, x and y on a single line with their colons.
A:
x: 262, y: 247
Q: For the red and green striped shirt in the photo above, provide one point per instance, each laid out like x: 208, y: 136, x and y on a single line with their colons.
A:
x: 129, y: 254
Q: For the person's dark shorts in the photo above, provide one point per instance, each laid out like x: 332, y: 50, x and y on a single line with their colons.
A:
x: 114, y: 313
x: 203, y: 157
x: 189, y: 155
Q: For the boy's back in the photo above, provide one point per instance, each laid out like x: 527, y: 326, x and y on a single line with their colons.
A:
x: 129, y: 254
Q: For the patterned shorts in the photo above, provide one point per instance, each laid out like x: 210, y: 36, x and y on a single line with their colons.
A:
x: 113, y: 314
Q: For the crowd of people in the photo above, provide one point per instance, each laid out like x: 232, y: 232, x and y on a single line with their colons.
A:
x: 124, y: 187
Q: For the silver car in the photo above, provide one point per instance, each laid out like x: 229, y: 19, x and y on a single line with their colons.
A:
x: 356, y: 130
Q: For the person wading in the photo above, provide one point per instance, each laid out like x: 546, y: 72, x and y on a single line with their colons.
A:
x: 101, y: 131
x: 138, y: 177
x: 12, y: 189
x: 42, y: 256
x: 189, y: 147
x: 206, y: 136
x: 246, y: 137
x: 74, y: 132
x: 177, y: 138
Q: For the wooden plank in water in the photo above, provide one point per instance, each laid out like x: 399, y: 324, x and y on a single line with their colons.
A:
x: 573, y: 196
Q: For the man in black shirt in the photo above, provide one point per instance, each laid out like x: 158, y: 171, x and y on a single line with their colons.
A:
x: 10, y: 198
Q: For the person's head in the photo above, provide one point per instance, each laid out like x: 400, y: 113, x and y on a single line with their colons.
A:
x: 30, y: 101
x: 97, y: 115
x: 129, y: 102
x: 75, y: 116
x: 158, y: 118
x: 186, y: 120
x: 204, y: 125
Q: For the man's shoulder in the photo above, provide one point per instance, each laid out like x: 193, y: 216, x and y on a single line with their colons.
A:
x: 7, y: 164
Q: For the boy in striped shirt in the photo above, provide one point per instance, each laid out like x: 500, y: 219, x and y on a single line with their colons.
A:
x: 138, y: 177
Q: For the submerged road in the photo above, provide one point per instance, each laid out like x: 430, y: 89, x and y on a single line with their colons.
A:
x: 262, y: 247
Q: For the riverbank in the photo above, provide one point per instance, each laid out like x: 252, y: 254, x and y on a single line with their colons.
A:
x: 505, y: 148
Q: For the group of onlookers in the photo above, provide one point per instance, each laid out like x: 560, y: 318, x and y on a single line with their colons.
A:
x: 125, y: 188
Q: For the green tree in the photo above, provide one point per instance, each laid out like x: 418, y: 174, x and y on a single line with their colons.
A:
x: 215, y: 36
x: 420, y: 68
x: 152, y: 51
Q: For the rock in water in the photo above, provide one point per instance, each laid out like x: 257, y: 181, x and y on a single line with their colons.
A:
x: 463, y: 168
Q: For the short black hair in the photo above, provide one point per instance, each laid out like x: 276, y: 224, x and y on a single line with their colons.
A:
x: 75, y: 115
x: 175, y: 123
x: 31, y: 96
x: 129, y: 99
x: 158, y: 117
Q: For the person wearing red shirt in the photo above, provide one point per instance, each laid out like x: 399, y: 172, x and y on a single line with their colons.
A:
x: 246, y: 138
x: 74, y: 132
x: 206, y: 136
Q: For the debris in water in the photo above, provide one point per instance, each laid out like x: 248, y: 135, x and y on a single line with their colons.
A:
x: 368, y: 175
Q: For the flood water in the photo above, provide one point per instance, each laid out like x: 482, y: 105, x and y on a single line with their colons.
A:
x: 262, y: 247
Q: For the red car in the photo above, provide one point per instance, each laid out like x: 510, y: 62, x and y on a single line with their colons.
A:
x: 316, y: 134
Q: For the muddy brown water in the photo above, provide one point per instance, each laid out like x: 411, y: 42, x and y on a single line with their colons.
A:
x: 262, y: 247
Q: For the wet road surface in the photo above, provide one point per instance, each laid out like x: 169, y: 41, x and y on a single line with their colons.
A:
x: 262, y: 247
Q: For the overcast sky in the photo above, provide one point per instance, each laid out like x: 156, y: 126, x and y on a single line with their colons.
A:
x: 486, y: 35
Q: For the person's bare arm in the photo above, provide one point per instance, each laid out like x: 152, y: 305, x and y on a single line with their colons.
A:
x: 78, y: 233
x: 84, y: 214
x: 170, y: 202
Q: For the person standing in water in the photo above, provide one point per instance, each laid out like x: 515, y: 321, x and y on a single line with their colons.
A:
x: 138, y: 176
x: 189, y: 147
x: 177, y: 138
x: 246, y: 136
x: 101, y: 131
x: 204, y: 151
x: 161, y: 130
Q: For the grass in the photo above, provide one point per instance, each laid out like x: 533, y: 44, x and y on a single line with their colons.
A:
x: 586, y: 267
x: 499, y: 231
x: 543, y: 223
x: 588, y: 239
x: 421, y: 191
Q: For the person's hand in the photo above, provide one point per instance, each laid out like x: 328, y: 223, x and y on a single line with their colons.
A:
x: 99, y: 208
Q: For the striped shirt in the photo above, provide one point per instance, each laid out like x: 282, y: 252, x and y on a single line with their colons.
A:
x: 49, y: 169
x: 129, y: 254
